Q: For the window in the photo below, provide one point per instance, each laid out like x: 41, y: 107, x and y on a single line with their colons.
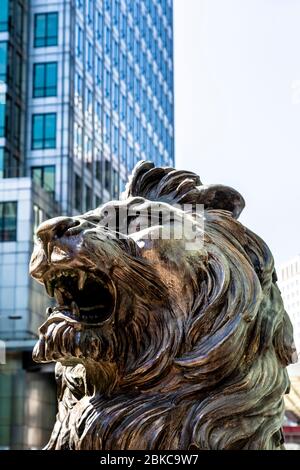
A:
x: 107, y: 175
x: 44, y: 131
x: 88, y: 198
x: 79, y: 41
x: 107, y: 128
x: 78, y: 192
x: 144, y: 99
x: 45, y: 29
x: 88, y: 154
x: 130, y: 76
x: 122, y: 185
x: 98, y: 164
x: 123, y: 107
x: 44, y: 176
x: 136, y: 11
x: 79, y: 4
x: 4, y: 159
x: 99, y: 25
x: 136, y: 128
x: 77, y: 140
x: 98, y: 115
x: 16, y: 124
x: 115, y: 52
x: 115, y: 139
x: 123, y: 149
x: 123, y: 25
x: 4, y: 15
x: 8, y: 221
x: 89, y: 10
x: 3, y: 60
x: 45, y: 79
x: 18, y: 73
x: 2, y: 115
x: 143, y: 61
x: 136, y: 84
x: 115, y: 184
x: 116, y: 11
x: 19, y: 19
x: 136, y: 49
x: 107, y: 39
x: 130, y: 118
x: 78, y: 90
x: 123, y: 65
x: 130, y: 160
x: 130, y: 36
x: 89, y: 55
x: 107, y: 4
x: 107, y: 79
x: 115, y: 90
x: 98, y: 70
x: 143, y: 138
x: 88, y: 104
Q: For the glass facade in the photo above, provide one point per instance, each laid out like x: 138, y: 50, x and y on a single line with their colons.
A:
x: 119, y: 63
x: 123, y: 96
x: 12, y: 96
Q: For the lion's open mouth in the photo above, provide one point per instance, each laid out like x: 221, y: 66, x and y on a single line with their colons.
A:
x: 80, y: 295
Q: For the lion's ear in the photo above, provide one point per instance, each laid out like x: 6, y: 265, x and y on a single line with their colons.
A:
x: 217, y: 196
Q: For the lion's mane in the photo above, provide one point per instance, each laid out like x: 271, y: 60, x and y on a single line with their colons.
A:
x: 222, y: 383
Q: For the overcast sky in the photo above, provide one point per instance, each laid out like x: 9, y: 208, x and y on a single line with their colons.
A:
x: 237, y: 107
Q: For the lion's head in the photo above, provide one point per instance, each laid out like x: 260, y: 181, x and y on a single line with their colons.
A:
x: 161, y: 345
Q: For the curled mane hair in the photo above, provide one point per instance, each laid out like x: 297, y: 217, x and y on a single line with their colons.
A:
x: 224, y: 387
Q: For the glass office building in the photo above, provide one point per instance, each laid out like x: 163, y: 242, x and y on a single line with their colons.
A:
x: 86, y: 90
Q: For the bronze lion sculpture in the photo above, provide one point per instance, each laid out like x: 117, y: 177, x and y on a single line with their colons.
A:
x: 159, y: 346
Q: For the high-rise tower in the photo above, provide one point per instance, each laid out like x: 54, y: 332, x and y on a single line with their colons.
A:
x: 86, y: 90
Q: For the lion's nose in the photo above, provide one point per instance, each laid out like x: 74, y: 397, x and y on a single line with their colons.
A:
x: 55, y: 228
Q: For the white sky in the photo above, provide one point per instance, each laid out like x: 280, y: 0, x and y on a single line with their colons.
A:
x: 237, y: 107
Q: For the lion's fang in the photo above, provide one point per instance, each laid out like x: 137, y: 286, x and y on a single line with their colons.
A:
x: 81, y: 280
x: 49, y: 288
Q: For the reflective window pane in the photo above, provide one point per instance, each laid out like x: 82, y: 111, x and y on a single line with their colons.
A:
x: 46, y: 29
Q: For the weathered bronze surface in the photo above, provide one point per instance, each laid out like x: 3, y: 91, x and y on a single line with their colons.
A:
x: 157, y: 346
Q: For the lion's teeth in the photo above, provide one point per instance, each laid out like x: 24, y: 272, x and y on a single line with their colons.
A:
x: 49, y: 288
x: 81, y: 279
x: 75, y: 309
x: 87, y: 309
